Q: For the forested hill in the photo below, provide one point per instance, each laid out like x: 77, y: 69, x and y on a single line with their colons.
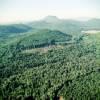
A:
x: 6, y: 30
x: 44, y: 38
x: 69, y: 26
x: 50, y: 60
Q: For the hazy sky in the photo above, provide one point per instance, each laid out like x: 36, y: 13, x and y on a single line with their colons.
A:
x: 20, y: 10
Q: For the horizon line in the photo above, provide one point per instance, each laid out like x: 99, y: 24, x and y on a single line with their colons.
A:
x: 22, y: 21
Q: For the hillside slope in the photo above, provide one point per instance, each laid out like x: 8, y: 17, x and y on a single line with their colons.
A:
x: 44, y: 38
x: 47, y: 64
x: 6, y: 30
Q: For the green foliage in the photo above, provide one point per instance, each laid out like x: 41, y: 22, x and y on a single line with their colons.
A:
x: 44, y: 38
x: 56, y: 66
x: 9, y: 30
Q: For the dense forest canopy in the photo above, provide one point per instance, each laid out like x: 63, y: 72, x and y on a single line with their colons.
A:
x: 50, y: 59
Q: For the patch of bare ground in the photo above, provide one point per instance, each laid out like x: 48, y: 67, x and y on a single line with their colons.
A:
x: 43, y: 49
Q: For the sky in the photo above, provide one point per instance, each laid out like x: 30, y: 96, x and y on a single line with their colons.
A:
x: 27, y: 10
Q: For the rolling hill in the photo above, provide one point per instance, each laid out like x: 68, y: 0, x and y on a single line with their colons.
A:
x: 68, y: 26
x: 44, y: 38
x: 6, y: 30
x: 45, y: 62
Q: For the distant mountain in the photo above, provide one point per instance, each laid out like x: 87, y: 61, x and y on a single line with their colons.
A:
x: 68, y: 26
x: 53, y: 23
x: 13, y: 28
x: 73, y: 27
x: 82, y: 19
x: 51, y: 19
x: 92, y: 24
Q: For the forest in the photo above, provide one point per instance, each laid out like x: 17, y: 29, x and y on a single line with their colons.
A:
x: 50, y: 59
